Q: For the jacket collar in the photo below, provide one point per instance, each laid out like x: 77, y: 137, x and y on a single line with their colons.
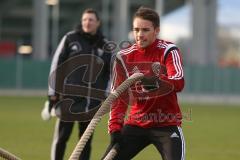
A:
x: 149, y: 48
x: 93, y: 39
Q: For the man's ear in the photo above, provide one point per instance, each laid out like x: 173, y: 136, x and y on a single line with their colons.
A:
x: 157, y: 30
x: 99, y: 23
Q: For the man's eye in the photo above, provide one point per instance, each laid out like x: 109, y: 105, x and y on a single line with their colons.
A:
x: 135, y: 30
x: 145, y: 29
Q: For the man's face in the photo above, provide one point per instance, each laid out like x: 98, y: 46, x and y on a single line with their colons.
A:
x: 90, y: 23
x: 144, y: 32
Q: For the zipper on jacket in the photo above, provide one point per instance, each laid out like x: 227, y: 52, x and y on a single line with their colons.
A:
x: 89, y: 83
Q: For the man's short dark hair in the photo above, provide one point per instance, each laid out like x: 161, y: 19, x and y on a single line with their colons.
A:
x: 92, y: 11
x: 148, y: 14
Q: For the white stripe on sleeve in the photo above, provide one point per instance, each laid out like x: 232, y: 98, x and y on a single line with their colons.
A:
x: 177, y: 65
x: 51, y: 89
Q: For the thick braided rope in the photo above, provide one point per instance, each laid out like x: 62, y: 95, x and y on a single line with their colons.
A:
x: 103, y: 110
x: 112, y: 153
x: 7, y: 156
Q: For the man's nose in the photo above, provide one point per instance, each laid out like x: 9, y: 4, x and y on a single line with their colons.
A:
x: 140, y: 34
x: 87, y: 22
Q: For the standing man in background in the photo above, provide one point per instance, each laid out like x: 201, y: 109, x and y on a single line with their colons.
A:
x: 85, y: 40
x: 155, y: 116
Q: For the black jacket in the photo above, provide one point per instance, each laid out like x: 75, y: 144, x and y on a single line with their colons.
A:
x: 80, y: 69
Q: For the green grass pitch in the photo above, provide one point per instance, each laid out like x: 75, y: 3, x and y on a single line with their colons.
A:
x: 211, y: 131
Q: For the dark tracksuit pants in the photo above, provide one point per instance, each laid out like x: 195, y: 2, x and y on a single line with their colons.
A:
x: 169, y: 142
x: 62, y: 133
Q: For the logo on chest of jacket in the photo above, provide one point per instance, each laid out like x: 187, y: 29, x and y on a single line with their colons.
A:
x: 75, y: 47
x: 100, y: 52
